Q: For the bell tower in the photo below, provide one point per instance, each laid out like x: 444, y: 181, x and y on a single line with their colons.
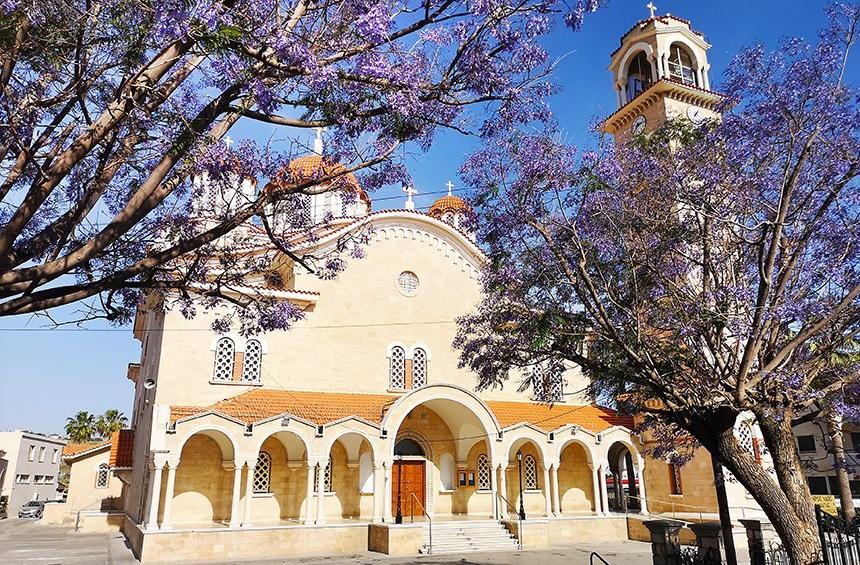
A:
x: 660, y: 72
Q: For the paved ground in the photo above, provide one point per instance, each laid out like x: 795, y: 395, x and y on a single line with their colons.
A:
x: 23, y: 542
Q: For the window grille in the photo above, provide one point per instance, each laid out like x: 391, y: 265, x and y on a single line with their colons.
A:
x: 397, y: 368
x: 102, y: 476
x: 263, y: 473
x: 407, y: 282
x: 675, y: 486
x: 485, y: 479
x: 225, y: 355
x: 252, y: 361
x: 326, y: 477
x: 530, y: 473
x: 745, y: 434
x: 419, y: 368
x: 547, y: 386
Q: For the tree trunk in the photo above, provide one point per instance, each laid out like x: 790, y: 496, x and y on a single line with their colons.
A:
x: 788, y: 504
x: 837, y: 443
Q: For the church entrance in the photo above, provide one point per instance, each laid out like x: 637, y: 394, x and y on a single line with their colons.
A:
x: 408, y: 476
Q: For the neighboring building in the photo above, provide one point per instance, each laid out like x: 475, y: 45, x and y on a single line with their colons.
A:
x: 816, y: 451
x: 32, y: 465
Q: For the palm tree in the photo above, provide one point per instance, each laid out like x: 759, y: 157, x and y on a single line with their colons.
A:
x: 109, y: 422
x: 81, y: 427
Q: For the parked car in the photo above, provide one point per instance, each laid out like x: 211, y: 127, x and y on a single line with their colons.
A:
x: 3, y: 513
x: 32, y: 509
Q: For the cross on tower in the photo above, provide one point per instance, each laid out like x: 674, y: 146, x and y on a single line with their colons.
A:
x: 651, y: 7
x: 410, y: 190
x: 450, y: 186
x: 228, y: 141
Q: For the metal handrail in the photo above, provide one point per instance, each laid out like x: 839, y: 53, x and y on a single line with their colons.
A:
x: 412, y: 502
x: 698, y: 509
x: 519, y: 520
x: 595, y: 554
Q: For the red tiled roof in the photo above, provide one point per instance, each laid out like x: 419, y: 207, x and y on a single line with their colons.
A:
x: 122, y: 448
x: 325, y: 407
x: 72, y: 450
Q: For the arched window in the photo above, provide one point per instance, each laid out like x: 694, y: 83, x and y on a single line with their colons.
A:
x: 530, y: 473
x: 547, y: 385
x: 407, y: 446
x: 638, y: 75
x: 225, y: 355
x: 446, y: 471
x: 681, y: 65
x: 326, y: 477
x: 485, y: 479
x: 263, y: 473
x: 397, y: 368
x: 419, y: 368
x: 252, y: 361
x: 102, y: 475
x: 747, y: 439
x: 365, y: 473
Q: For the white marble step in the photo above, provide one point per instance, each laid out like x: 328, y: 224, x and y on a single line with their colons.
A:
x: 458, y: 537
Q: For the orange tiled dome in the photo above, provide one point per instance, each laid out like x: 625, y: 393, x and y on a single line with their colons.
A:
x: 308, y: 166
x: 448, y: 203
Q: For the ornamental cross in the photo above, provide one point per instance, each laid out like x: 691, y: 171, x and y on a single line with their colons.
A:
x: 228, y: 141
x: 409, y: 190
x: 318, y: 141
x: 450, y: 186
x: 651, y: 7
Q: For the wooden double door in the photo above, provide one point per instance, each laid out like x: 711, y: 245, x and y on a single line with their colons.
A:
x: 408, y: 478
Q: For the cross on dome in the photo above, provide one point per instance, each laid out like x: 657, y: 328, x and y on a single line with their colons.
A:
x: 651, y: 7
x: 409, y: 190
x: 228, y: 141
x: 450, y: 186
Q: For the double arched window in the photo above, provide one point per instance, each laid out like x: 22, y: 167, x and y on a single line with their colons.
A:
x: 547, y: 385
x: 397, y: 368
x: 263, y: 473
x: 102, y: 475
x: 485, y: 478
x: 407, y: 368
x: 530, y: 481
x: 252, y: 361
x: 225, y: 358
x: 419, y: 367
x: 237, y: 360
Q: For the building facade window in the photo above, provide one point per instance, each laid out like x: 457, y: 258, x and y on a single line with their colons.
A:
x: 326, y: 477
x: 38, y: 479
x: 22, y: 479
x: 397, y: 368
x: 681, y: 65
x: 407, y: 283
x: 419, y: 367
x: 42, y: 454
x: 253, y: 361
x: 31, y: 454
x: 530, y: 481
x: 547, y: 386
x: 638, y: 75
x: 806, y: 444
x: 485, y: 478
x: 263, y: 473
x: 54, y: 456
x: 102, y: 475
x: 225, y: 357
x: 675, y: 486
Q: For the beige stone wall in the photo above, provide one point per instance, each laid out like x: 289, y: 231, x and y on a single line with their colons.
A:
x: 402, y: 539
x: 697, y: 482
x: 533, y: 499
x: 591, y: 530
x: 575, y: 485
x: 83, y: 494
x: 203, y: 486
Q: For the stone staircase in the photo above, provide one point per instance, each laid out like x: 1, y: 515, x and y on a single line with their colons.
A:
x: 460, y: 537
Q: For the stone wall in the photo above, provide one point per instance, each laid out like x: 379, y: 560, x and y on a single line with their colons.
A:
x: 575, y: 485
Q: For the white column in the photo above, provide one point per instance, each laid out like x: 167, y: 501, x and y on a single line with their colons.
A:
x: 556, y: 505
x: 154, y: 496
x: 503, y: 488
x: 494, y: 490
x: 699, y: 81
x: 595, y: 483
x: 168, y: 495
x: 604, y: 494
x: 547, y: 495
x: 386, y: 507
x: 321, y: 493
x: 309, y: 497
x: 619, y: 96
x: 378, y: 491
x: 643, y: 496
x: 249, y: 496
x: 706, y: 82
x: 237, y: 492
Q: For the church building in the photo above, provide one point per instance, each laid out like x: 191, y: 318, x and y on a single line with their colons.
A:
x: 356, y: 429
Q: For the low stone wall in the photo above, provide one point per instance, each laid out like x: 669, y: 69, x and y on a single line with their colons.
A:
x: 587, y: 528
x: 89, y: 521
x: 249, y: 543
x: 535, y: 533
x: 395, y: 539
x: 637, y: 531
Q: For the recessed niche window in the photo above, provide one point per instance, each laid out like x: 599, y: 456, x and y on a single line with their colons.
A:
x: 407, y: 283
x: 263, y: 473
x: 485, y: 480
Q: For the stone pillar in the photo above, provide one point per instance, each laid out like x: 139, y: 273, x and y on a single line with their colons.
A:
x: 665, y: 548
x: 494, y: 492
x: 756, y: 533
x: 708, y: 539
x: 706, y: 82
x: 547, y: 494
x: 699, y: 82
x: 643, y: 496
x: 503, y: 489
x: 386, y: 506
x: 309, y: 496
x: 154, y: 496
x: 378, y: 491
x: 237, y: 492
x: 556, y: 503
x: 168, y: 494
x: 321, y: 492
x: 595, y: 487
x: 249, y: 496
x: 604, y: 493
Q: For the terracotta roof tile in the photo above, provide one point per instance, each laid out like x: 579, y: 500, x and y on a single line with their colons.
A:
x: 122, y: 448
x: 448, y: 203
x: 324, y: 407
x: 74, y: 449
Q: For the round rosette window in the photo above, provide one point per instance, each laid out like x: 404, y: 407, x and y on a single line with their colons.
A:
x: 407, y: 283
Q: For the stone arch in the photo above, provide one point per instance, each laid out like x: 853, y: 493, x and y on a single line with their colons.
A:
x: 292, y: 442
x: 204, y: 477
x: 527, y: 434
x: 624, y: 466
x: 577, y: 489
x: 220, y: 436
x: 632, y: 51
x: 417, y: 437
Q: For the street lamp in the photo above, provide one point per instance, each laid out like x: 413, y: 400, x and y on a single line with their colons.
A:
x: 520, y: 467
x: 398, y: 519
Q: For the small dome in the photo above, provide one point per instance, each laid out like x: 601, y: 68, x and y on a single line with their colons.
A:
x: 448, y: 203
x: 308, y: 167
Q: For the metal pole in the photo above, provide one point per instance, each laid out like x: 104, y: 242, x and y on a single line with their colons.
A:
x: 398, y: 519
x: 520, y: 468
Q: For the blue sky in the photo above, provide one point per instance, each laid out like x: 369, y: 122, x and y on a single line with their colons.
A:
x: 46, y: 376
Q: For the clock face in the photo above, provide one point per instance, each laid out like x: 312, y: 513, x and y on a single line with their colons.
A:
x: 639, y: 125
x: 695, y: 115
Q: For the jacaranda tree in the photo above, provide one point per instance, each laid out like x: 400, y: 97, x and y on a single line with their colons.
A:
x: 109, y: 108
x: 697, y: 275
